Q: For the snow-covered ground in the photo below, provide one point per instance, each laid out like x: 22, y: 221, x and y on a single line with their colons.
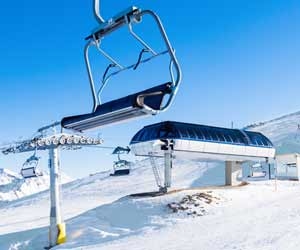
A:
x: 24, y: 221
x: 100, y: 214
x: 250, y: 217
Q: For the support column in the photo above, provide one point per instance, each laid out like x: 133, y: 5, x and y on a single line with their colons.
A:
x: 168, y: 168
x: 57, y: 230
x: 233, y: 170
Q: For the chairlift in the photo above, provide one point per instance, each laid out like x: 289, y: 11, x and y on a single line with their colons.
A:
x: 29, y: 168
x: 146, y: 102
x: 121, y: 167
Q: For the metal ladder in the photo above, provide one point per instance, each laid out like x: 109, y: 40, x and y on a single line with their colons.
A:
x: 155, y: 171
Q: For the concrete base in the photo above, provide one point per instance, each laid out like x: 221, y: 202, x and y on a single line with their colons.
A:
x: 233, y: 173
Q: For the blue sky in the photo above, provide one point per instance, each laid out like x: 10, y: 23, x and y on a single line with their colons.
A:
x: 240, y: 63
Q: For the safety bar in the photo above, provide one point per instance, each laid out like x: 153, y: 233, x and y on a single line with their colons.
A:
x: 140, y: 58
x: 105, y: 80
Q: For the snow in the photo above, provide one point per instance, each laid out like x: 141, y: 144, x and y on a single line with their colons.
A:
x: 100, y: 214
x: 7, y: 176
x: 14, y: 186
x: 284, y: 132
x: 82, y: 200
x: 247, y: 220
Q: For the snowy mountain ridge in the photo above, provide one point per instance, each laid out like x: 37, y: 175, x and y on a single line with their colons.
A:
x: 14, y: 186
x: 283, y: 131
x: 7, y: 176
x: 257, y: 124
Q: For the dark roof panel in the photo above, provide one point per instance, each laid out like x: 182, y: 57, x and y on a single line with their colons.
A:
x: 188, y: 131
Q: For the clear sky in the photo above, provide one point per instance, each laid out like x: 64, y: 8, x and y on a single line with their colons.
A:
x: 240, y: 63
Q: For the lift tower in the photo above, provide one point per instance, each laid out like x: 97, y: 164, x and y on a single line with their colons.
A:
x: 53, y: 143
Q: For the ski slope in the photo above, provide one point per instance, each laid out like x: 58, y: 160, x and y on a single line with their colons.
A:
x: 252, y: 217
x: 284, y: 132
x: 80, y: 198
x: 100, y: 215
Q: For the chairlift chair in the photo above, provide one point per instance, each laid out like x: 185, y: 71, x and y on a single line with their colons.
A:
x: 121, y: 167
x: 29, y: 168
x: 146, y: 102
x: 257, y: 171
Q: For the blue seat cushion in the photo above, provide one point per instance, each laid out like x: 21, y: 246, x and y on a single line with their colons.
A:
x: 153, y: 101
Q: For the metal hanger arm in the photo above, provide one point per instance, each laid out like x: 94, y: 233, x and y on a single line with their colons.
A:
x: 96, y: 10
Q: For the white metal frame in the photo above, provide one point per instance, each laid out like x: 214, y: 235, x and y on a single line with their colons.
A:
x: 206, y: 150
x: 128, y: 17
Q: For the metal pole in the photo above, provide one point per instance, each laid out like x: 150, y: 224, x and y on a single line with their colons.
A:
x: 57, y: 233
x: 96, y: 11
x: 168, y: 168
x: 91, y: 80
